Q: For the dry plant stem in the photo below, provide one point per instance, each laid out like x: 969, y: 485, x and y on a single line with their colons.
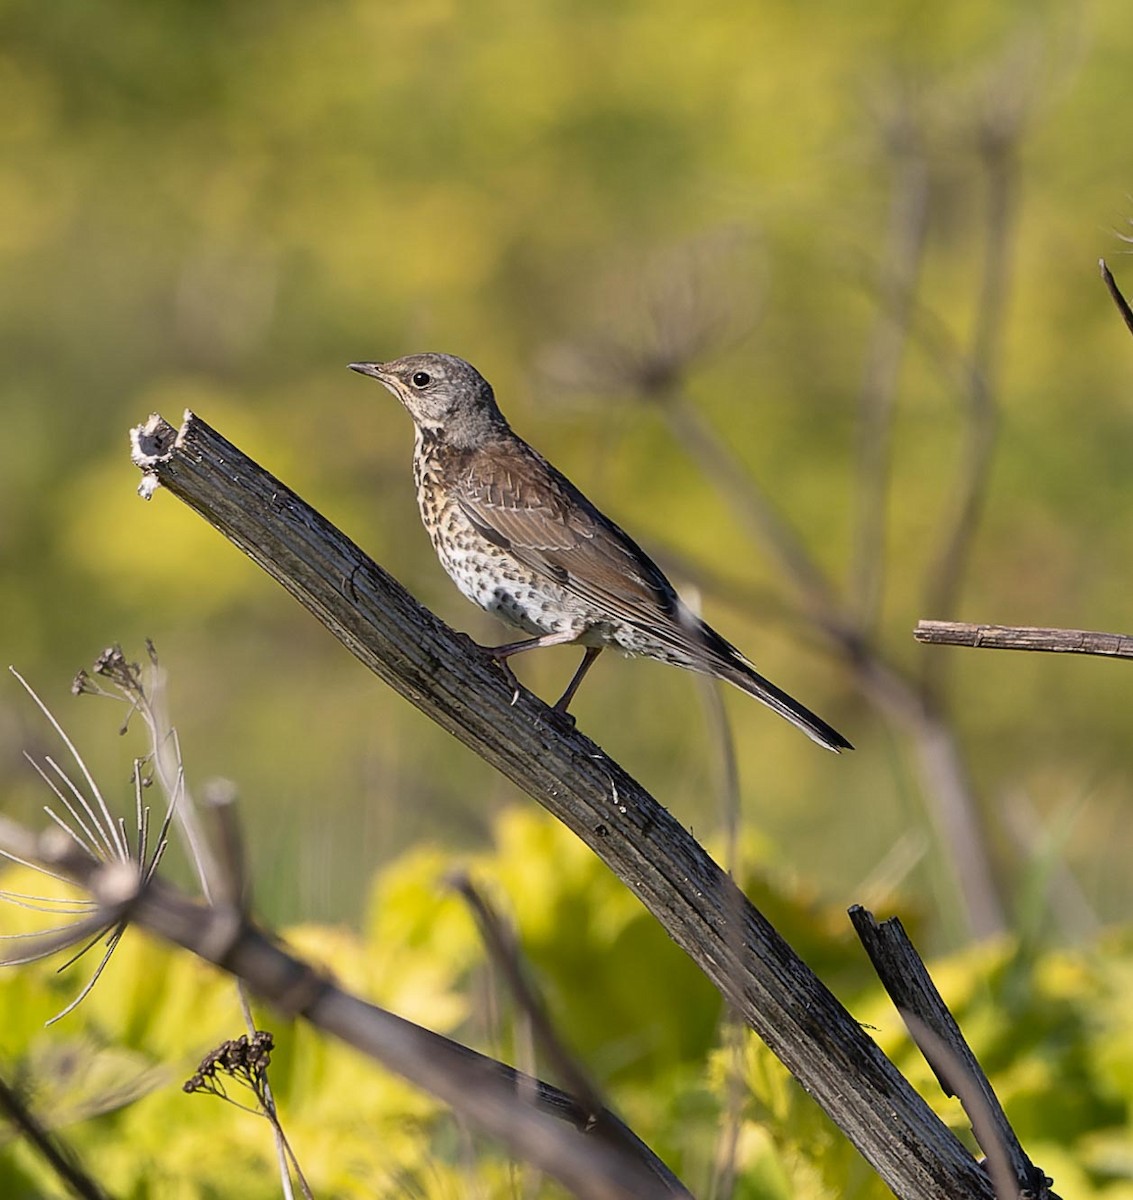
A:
x: 223, y: 879
x: 595, y: 1156
x: 233, y: 890
x: 1063, y: 899
x: 725, y: 1160
x: 502, y: 950
x: 940, y: 763
x: 170, y: 773
x: 955, y: 818
x: 1025, y: 637
x: 750, y: 600
x: 936, y: 1033
x: 756, y: 509
x: 727, y: 769
x: 458, y: 686
x: 908, y: 222
x: 955, y: 813
x: 58, y: 1157
x: 945, y: 781
x: 219, y: 799
x: 999, y: 145
x: 730, y: 1026
x: 944, y: 777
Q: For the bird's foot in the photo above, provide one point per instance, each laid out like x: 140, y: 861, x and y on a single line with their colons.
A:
x: 506, y: 671
x: 500, y: 661
x: 564, y: 718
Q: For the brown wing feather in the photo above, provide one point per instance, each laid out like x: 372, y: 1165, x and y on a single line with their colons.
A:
x: 522, y: 502
x: 518, y: 500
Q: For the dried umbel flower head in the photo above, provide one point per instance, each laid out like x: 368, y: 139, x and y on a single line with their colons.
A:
x: 84, y: 825
x: 244, y: 1059
x: 684, y: 305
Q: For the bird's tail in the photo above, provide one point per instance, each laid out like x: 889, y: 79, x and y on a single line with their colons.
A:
x: 690, y: 642
x: 739, y: 672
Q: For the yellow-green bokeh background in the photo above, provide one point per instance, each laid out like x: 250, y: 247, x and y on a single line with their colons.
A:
x: 219, y: 205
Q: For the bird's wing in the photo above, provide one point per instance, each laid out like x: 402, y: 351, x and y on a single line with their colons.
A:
x: 517, y: 500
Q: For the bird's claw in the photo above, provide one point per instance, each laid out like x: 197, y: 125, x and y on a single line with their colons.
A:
x: 564, y: 717
x: 507, y: 672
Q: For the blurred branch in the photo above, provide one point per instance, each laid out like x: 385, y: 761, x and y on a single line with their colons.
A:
x: 1049, y: 884
x: 908, y: 223
x: 594, y: 1154
x: 934, y: 1030
x: 758, y: 512
x: 725, y: 1161
x: 219, y: 798
x: 944, y: 775
x: 998, y: 138
x: 458, y: 685
x: 1118, y: 298
x: 58, y: 1156
x: 743, y: 597
x: 499, y: 940
x: 693, y: 300
x: 1024, y: 637
x: 956, y: 817
x: 735, y: 1088
x: 737, y: 1096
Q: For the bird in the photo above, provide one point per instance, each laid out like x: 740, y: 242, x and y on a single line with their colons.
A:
x: 522, y: 542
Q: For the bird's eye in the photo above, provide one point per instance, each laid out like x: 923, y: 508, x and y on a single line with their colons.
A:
x: 421, y: 379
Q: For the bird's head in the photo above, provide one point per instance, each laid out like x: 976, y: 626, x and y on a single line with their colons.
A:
x: 443, y: 394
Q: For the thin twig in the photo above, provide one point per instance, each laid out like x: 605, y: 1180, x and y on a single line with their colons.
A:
x: 107, y: 827
x: 1024, y: 637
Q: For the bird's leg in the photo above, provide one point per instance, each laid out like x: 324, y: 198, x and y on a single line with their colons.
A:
x: 588, y: 658
x: 503, y: 653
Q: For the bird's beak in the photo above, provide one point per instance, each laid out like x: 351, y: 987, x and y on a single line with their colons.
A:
x: 374, y: 369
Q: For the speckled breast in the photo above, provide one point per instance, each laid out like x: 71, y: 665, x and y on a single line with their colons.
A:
x: 486, y: 573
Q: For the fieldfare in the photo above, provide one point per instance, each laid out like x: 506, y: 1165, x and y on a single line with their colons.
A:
x: 522, y: 542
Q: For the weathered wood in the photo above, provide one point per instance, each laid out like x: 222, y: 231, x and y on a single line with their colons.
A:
x: 934, y: 1029
x: 459, y: 686
x: 1024, y: 637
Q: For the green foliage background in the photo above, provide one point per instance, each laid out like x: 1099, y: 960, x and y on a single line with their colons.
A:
x: 217, y: 205
x: 1055, y: 1034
